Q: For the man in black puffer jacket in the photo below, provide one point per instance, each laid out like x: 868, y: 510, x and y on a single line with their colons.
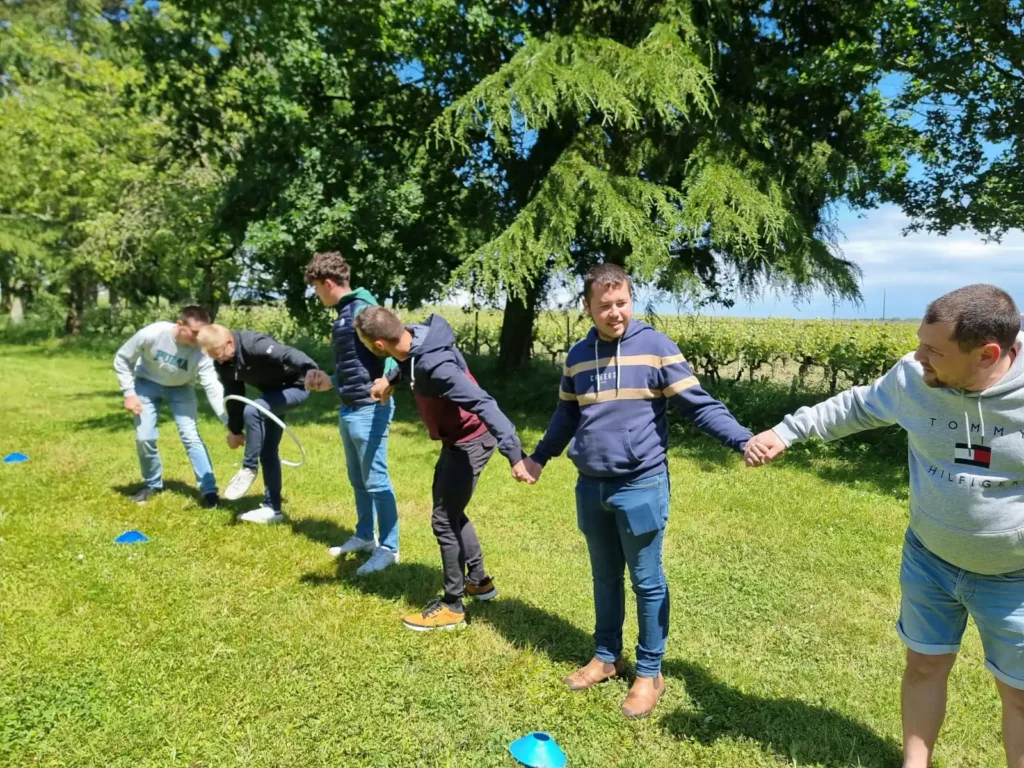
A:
x: 279, y: 373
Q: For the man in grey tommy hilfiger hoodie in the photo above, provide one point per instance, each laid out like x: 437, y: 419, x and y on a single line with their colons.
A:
x: 960, y: 397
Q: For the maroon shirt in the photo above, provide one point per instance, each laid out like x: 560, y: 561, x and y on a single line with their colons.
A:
x: 446, y: 421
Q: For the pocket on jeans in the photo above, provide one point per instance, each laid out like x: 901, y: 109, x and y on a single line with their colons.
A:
x: 644, y: 505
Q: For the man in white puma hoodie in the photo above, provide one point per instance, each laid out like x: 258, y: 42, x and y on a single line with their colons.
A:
x: 960, y: 397
x: 163, y: 362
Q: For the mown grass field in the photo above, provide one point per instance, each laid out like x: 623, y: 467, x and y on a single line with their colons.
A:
x: 218, y: 644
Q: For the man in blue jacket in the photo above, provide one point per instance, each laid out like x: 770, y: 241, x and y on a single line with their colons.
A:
x: 363, y: 423
x: 613, y: 406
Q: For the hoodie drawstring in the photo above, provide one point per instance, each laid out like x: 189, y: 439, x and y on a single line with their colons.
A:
x: 967, y: 420
x: 618, y: 366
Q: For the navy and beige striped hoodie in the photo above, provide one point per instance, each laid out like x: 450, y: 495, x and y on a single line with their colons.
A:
x: 613, y: 405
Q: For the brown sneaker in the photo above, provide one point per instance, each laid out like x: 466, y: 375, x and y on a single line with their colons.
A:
x: 485, y: 590
x: 594, y: 672
x: 437, y: 615
x: 643, y: 697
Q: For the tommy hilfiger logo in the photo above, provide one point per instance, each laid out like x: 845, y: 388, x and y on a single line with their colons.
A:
x: 975, y: 456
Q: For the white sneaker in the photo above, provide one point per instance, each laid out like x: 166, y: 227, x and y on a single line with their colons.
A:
x: 263, y: 515
x: 240, y: 484
x: 381, y: 558
x: 354, y: 544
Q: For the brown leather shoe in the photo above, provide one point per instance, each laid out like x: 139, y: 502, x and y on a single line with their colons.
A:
x: 643, y: 697
x: 595, y: 671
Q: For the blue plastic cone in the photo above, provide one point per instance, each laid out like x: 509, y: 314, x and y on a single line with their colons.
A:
x: 131, y: 537
x: 15, y: 458
x: 538, y: 750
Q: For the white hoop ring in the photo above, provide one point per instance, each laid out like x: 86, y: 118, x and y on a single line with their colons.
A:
x: 273, y: 417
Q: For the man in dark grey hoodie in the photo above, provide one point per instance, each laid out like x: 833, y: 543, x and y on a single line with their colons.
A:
x: 960, y: 398
x: 469, y: 425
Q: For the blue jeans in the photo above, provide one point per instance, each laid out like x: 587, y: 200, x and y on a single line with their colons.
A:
x: 184, y: 408
x: 624, y: 524
x: 364, y: 434
x: 263, y: 437
x: 937, y: 599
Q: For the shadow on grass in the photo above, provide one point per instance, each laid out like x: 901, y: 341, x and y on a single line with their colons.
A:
x: 414, y: 583
x: 176, y: 487
x: 321, y: 531
x: 799, y: 733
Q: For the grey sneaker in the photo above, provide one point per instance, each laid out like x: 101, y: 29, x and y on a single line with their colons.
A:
x: 240, y: 484
x: 354, y: 544
x: 145, y: 494
x: 381, y: 558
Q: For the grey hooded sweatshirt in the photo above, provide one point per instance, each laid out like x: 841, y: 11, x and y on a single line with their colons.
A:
x: 966, y: 457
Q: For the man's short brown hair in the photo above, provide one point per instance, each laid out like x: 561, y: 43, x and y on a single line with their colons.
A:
x: 328, y: 266
x: 194, y: 314
x: 605, y: 276
x: 980, y: 314
x: 379, y: 324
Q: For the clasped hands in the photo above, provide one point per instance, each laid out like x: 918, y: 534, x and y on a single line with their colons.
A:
x: 763, y: 448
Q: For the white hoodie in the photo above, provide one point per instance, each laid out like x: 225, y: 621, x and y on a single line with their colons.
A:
x: 966, y: 453
x: 153, y: 354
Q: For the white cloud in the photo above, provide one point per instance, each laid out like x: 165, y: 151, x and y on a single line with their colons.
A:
x: 904, y: 273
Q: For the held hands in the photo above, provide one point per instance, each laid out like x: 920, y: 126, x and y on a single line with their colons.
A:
x: 763, y: 448
x: 133, y: 405
x: 527, y: 471
x: 381, y: 390
x: 235, y: 441
x: 317, y: 381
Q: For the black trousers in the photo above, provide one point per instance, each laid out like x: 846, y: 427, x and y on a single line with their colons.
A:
x: 455, y: 477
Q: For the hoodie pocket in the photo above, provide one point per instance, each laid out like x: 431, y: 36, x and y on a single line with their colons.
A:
x: 603, y: 453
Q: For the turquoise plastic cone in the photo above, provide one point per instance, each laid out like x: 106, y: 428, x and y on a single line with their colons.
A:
x: 538, y: 750
x: 131, y: 537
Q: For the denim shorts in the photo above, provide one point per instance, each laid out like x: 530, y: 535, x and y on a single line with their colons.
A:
x: 938, y: 598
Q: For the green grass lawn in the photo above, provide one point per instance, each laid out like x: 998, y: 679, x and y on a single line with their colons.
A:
x: 218, y: 644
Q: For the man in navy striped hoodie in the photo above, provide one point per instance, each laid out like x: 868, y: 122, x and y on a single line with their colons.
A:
x: 613, y: 414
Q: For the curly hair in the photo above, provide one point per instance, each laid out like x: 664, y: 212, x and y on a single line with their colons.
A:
x: 328, y: 266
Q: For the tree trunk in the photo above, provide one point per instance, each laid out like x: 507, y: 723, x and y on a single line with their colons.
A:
x: 208, y: 293
x: 517, y: 328
x: 6, y: 296
x: 79, y: 290
x: 524, y: 178
x: 17, y: 311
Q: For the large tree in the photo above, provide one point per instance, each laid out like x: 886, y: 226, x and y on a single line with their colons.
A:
x: 700, y: 144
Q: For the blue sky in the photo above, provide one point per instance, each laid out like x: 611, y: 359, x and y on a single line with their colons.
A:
x: 910, y: 271
x: 906, y: 272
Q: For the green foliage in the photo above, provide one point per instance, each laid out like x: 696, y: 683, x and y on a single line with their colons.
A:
x: 962, y: 69
x: 308, y: 108
x: 89, y: 193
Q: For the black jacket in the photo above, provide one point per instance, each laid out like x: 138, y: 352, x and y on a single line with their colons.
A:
x: 261, y: 362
